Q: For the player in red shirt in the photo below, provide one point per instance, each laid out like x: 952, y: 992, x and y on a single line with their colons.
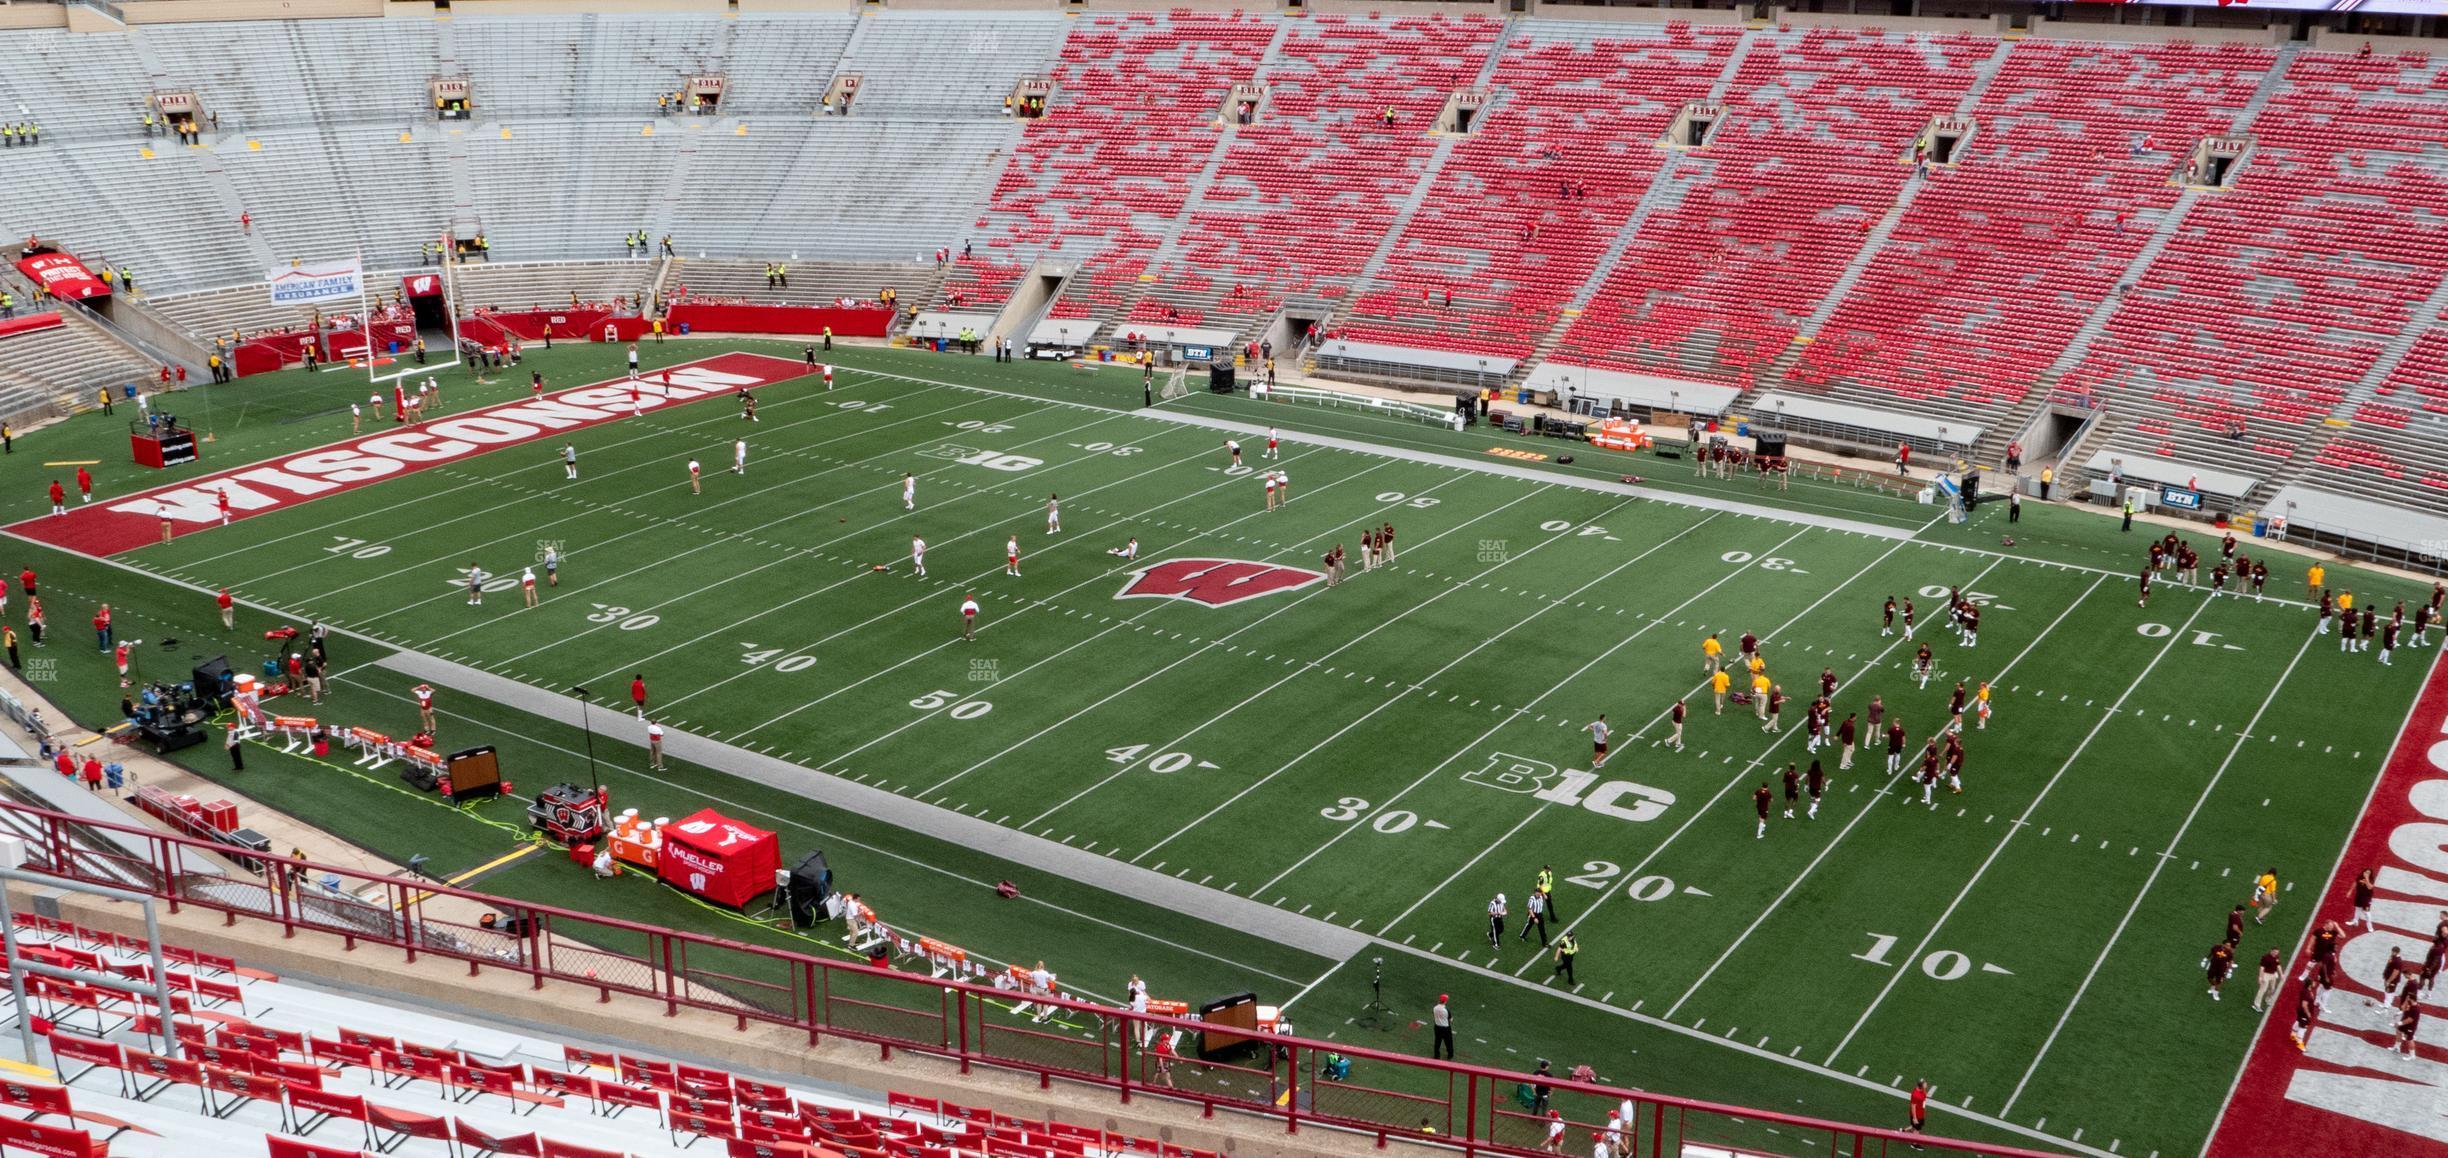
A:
x: 229, y: 610
x: 26, y: 579
x: 84, y: 484
x: 59, y: 498
x: 637, y: 693
x: 969, y: 610
x: 1920, y: 1090
x: 121, y: 657
x: 221, y: 500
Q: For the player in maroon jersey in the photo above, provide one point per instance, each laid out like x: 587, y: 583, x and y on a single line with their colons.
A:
x: 1761, y: 798
x: 2219, y: 964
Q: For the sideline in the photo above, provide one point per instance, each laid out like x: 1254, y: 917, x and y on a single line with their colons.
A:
x: 1093, y: 869
x: 1501, y: 470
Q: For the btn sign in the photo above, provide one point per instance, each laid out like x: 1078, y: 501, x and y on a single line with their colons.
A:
x: 1621, y: 799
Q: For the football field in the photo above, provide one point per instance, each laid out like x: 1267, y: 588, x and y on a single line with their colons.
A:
x: 1387, y: 754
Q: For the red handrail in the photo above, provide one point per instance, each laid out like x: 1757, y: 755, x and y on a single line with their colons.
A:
x: 958, y: 1034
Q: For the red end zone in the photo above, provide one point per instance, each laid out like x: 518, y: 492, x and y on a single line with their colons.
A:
x: 286, y: 481
x: 2349, y: 1091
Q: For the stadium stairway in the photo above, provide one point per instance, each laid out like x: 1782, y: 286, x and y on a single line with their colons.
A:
x: 1112, y: 309
x: 1873, y: 243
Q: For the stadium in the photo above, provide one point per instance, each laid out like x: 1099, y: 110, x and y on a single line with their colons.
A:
x: 685, y: 576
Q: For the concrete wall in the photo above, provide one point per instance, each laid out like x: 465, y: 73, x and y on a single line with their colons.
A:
x: 33, y: 16
x: 1933, y: 25
x: 845, y: 6
x: 1406, y: 7
x: 183, y: 11
x: 1625, y: 14
x: 2267, y: 36
x: 586, y: 7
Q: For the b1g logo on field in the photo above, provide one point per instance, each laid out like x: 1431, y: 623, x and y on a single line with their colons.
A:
x: 1568, y: 787
x: 1216, y: 582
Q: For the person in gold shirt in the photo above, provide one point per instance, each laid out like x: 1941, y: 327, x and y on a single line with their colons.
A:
x: 1759, y: 692
x: 1712, y: 655
x: 1718, y: 684
x: 2314, y: 578
x: 2265, y: 894
x: 1980, y: 708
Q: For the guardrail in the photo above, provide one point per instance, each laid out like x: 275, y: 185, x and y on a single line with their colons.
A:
x: 1474, y: 1109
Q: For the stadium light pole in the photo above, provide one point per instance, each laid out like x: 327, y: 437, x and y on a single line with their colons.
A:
x: 586, y: 724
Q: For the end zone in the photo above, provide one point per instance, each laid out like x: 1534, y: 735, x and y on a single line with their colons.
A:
x: 2349, y: 1091
x: 285, y: 481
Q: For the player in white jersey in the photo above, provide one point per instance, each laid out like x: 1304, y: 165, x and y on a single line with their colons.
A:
x: 527, y: 585
x: 1283, y: 486
x: 909, y: 491
x: 918, y: 555
x: 1233, y: 448
x: 1269, y: 480
x: 1271, y: 443
x: 1011, y: 556
x: 739, y: 456
x: 1127, y: 552
x: 695, y: 472
x: 1053, y: 513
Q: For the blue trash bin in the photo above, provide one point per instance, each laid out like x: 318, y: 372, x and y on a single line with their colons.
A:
x: 131, y: 390
x: 2260, y: 526
x: 395, y: 345
x: 684, y: 327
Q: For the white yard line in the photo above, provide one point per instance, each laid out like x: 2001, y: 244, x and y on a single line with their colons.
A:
x: 411, y: 534
x: 1516, y: 714
x: 1304, y: 668
x: 2016, y: 826
x: 653, y: 523
x: 275, y: 460
x: 1936, y: 1106
x: 2167, y: 854
x: 1289, y: 605
x: 1544, y: 607
x: 1711, y: 802
x: 2311, y: 908
x: 1847, y: 830
x: 698, y: 790
x: 1445, y: 456
x: 1069, y: 539
x: 1152, y: 608
x: 794, y: 556
x: 646, y: 526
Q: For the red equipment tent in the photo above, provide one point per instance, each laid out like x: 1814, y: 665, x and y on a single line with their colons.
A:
x: 720, y: 859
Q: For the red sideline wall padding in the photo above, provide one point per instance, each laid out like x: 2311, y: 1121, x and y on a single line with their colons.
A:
x: 847, y: 323
x: 531, y: 325
x: 28, y: 324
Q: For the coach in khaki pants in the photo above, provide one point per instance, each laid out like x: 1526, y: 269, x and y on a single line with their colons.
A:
x: 2273, y: 968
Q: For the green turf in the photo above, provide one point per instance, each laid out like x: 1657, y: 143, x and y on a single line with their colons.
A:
x: 1345, y: 753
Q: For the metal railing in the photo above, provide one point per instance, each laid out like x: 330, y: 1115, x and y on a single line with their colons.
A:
x: 1296, y: 1081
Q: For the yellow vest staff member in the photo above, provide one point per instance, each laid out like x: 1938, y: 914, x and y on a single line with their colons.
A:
x: 1712, y: 654
x: 1717, y: 686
